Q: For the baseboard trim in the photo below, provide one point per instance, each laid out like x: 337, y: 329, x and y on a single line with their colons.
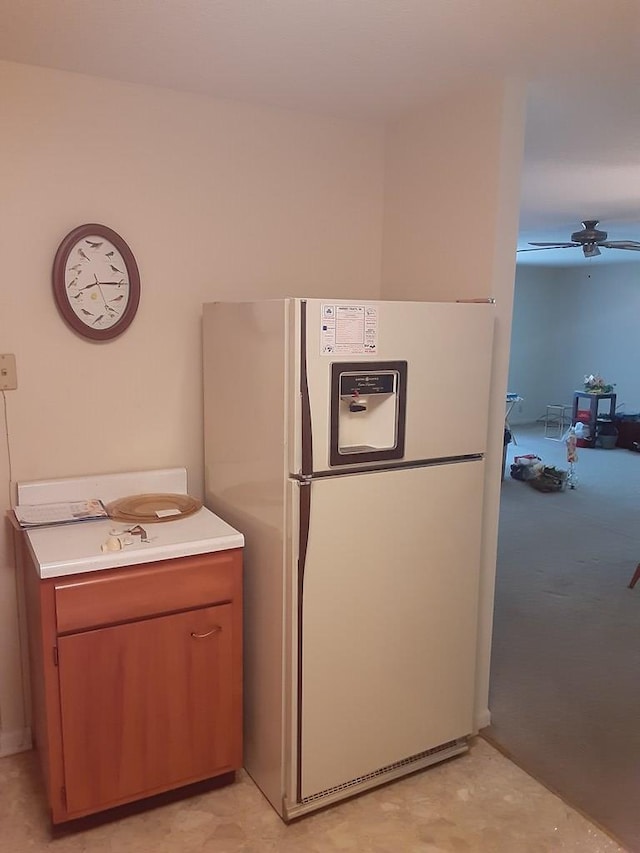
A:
x: 18, y: 740
x: 483, y: 719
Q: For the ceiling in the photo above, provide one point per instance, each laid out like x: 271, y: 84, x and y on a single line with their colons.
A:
x: 377, y: 59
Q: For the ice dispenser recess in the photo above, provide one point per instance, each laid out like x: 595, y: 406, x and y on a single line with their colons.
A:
x: 368, y: 405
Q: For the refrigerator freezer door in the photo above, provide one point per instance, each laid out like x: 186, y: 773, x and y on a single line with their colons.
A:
x: 388, y: 618
x: 448, y: 349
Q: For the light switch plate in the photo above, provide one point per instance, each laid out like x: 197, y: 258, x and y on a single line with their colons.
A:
x: 8, y: 373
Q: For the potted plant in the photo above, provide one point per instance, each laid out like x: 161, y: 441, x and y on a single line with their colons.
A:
x: 595, y: 384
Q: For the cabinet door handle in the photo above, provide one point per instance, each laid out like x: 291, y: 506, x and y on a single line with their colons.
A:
x: 206, y: 634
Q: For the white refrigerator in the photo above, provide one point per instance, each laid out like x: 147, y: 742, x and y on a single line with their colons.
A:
x: 346, y: 440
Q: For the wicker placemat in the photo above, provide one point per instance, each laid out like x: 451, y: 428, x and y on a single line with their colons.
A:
x: 150, y: 508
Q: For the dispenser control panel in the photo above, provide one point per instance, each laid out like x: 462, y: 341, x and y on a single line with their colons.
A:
x: 367, y: 383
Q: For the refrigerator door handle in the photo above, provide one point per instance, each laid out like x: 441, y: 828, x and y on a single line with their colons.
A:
x: 303, y: 542
x: 304, y: 519
x: 305, y: 403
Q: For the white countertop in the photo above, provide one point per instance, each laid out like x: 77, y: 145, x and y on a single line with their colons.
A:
x: 68, y: 549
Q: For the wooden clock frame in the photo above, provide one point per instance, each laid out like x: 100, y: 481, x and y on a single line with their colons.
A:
x: 60, y: 292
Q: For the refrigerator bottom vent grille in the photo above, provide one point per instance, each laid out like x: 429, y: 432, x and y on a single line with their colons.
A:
x: 383, y: 771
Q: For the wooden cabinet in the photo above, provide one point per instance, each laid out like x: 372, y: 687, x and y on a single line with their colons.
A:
x: 136, y: 679
x: 586, y: 409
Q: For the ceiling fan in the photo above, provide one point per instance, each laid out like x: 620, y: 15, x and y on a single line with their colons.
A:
x: 590, y: 240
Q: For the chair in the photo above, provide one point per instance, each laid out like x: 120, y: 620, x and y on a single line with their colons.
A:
x: 557, y: 419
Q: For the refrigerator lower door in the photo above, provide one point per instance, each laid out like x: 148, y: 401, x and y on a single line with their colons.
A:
x: 388, y: 620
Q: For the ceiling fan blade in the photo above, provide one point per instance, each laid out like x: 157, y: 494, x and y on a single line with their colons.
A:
x: 555, y: 245
x: 550, y: 246
x: 589, y: 240
x: 622, y: 244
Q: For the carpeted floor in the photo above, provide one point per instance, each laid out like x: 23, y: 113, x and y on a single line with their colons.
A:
x: 565, y: 683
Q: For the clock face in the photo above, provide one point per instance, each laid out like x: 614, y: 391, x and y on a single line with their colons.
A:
x: 96, y: 283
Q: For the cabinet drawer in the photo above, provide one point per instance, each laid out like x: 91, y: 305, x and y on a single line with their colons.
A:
x: 120, y: 595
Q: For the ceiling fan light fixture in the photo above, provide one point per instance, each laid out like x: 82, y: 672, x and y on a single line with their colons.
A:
x: 590, y: 250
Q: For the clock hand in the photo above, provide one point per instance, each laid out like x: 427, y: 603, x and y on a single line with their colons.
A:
x: 97, y: 284
x: 108, y: 308
x: 100, y: 289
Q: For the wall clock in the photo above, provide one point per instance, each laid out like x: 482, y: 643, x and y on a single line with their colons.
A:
x: 96, y: 283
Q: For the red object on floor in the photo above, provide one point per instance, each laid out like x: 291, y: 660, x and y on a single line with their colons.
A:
x: 635, y: 578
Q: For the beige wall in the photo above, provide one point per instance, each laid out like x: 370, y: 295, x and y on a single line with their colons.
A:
x: 442, y: 195
x: 452, y: 197
x: 217, y: 200
x: 222, y: 200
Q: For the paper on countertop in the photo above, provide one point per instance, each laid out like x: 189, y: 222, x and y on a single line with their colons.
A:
x: 63, y: 512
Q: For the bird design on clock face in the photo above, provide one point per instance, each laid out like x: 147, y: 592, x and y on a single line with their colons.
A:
x: 97, y: 283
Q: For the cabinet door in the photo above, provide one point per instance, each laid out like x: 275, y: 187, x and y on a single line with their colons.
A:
x: 148, y: 706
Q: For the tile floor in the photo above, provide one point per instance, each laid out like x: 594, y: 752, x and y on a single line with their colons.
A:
x: 475, y: 802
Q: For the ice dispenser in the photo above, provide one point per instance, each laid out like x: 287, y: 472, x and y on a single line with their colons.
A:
x: 368, y: 404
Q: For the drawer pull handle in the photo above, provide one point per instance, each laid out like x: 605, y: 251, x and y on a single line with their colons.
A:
x: 214, y: 630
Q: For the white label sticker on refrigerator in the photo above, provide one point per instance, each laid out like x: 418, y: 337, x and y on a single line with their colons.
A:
x: 349, y: 330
